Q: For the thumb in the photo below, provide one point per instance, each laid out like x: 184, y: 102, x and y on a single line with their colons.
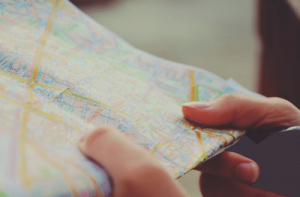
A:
x: 242, y: 111
x: 133, y: 170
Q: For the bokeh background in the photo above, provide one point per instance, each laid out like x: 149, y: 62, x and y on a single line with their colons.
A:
x: 218, y: 36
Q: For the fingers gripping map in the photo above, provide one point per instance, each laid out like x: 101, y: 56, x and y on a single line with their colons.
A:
x: 62, y: 74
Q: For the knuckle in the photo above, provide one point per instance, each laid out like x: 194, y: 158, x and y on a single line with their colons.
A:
x: 283, y: 105
x: 281, y: 102
x: 289, y: 114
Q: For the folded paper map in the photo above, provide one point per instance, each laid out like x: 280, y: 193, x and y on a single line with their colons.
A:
x: 62, y: 74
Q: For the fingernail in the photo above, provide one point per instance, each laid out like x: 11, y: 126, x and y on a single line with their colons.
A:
x: 82, y: 138
x: 248, y: 172
x: 196, y: 104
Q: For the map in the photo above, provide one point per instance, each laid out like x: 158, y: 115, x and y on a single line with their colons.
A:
x: 62, y: 74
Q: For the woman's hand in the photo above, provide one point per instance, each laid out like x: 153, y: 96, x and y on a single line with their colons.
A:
x: 134, y: 172
x: 230, y: 174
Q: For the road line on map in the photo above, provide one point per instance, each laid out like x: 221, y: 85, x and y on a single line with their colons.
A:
x: 200, y: 141
x: 231, y: 135
x: 218, y: 91
x: 226, y: 133
x: 42, y: 44
x: 22, y: 141
x: 37, y: 64
x: 51, y: 117
x: 22, y: 144
x: 13, y: 101
x: 219, y: 136
x: 193, y: 86
x: 10, y: 39
x: 54, y: 118
x: 22, y: 80
x: 27, y: 109
x: 159, y: 146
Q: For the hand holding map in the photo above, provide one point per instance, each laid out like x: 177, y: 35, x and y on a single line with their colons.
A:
x: 229, y: 174
x: 133, y: 171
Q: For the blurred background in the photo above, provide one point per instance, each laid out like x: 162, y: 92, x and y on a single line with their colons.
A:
x: 223, y: 38
x: 218, y: 36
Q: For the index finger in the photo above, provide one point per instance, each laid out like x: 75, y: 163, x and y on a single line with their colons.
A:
x: 243, y: 112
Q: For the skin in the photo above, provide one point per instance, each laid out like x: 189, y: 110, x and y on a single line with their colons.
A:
x: 136, y: 173
x: 133, y: 170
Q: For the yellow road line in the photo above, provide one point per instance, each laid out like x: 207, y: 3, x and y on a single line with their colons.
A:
x: 42, y: 44
x: 49, y: 87
x: 200, y: 141
x: 226, y: 133
x: 13, y: 101
x: 54, y: 118
x: 9, y: 39
x: 22, y: 146
x: 22, y: 80
x: 51, y: 117
x: 22, y: 141
x: 221, y: 137
x: 193, y: 86
x: 159, y: 146
x: 35, y: 72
